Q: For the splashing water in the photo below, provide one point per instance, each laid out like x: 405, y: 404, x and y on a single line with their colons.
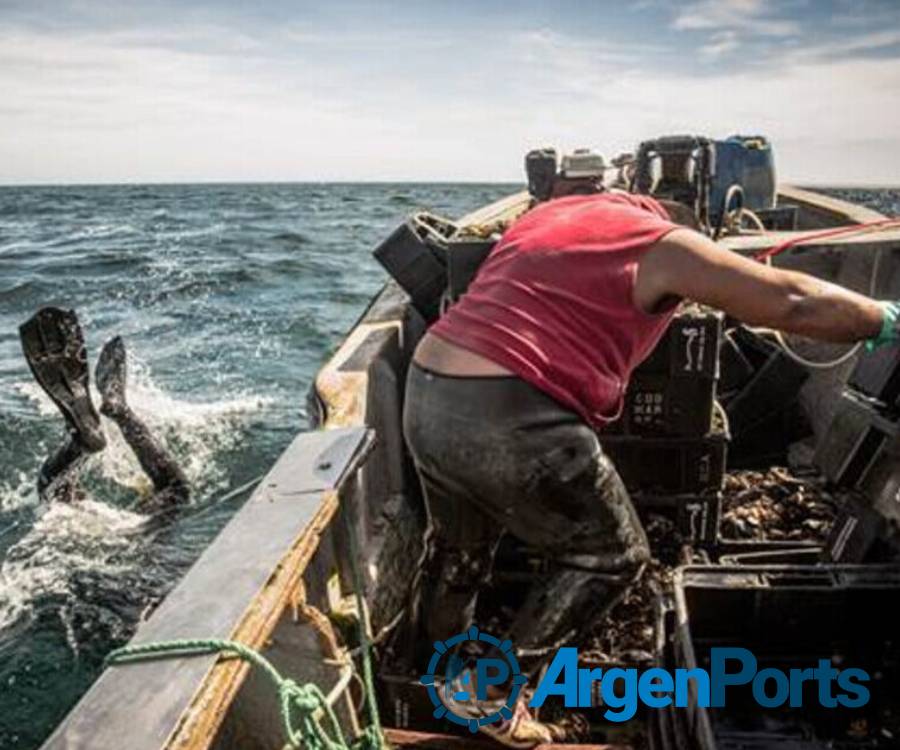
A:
x: 195, y: 431
x: 228, y: 299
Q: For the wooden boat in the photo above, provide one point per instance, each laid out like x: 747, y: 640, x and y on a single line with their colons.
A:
x: 280, y: 576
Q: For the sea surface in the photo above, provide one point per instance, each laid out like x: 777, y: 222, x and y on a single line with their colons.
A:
x: 229, y: 297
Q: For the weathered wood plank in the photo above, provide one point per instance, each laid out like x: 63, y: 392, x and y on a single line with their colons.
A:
x: 139, y: 706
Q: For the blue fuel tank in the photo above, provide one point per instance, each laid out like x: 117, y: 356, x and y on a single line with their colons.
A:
x: 747, y: 161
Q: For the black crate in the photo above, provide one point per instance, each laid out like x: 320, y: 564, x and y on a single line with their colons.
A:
x: 696, y: 516
x: 772, y: 389
x: 725, y: 549
x: 809, y: 555
x: 768, y: 442
x: 414, y: 254
x: 855, y: 532
x: 790, y: 616
x: 877, y: 375
x: 689, y: 348
x: 464, y: 257
x: 735, y: 368
x: 665, y: 405
x: 673, y: 391
x: 859, y: 438
x: 669, y: 465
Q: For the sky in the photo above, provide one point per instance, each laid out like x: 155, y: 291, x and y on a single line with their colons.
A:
x: 257, y: 90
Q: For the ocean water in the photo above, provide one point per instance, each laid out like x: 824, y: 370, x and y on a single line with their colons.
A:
x: 229, y: 297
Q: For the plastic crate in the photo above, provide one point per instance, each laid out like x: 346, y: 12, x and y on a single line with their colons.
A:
x: 464, y: 257
x: 664, y: 405
x: 766, y: 552
x: 689, y: 348
x: 672, y: 392
x: 669, y: 465
x: 796, y: 555
x: 859, y: 438
x: 696, y: 516
x: 790, y: 616
x: 772, y: 389
x: 414, y: 254
x: 735, y: 369
x: 877, y: 375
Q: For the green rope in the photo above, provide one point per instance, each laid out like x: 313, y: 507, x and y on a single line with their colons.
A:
x: 365, y: 645
x: 303, y: 700
x: 299, y: 703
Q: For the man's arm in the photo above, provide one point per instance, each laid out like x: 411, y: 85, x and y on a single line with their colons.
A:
x: 687, y: 264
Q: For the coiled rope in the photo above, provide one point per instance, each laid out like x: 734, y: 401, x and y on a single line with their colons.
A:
x: 302, y: 706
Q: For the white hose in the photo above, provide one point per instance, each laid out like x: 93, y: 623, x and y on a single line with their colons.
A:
x: 846, y: 356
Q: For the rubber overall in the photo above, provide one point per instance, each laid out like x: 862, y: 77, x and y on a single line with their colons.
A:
x: 496, y: 455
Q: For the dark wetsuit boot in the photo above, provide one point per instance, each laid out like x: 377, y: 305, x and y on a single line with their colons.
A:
x: 54, y: 349
x: 169, y: 481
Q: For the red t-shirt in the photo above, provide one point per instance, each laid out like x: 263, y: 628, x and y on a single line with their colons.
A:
x: 553, y: 302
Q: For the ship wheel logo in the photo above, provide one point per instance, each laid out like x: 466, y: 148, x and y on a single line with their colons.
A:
x: 459, y: 693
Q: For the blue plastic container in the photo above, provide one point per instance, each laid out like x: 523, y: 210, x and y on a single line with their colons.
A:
x: 747, y: 161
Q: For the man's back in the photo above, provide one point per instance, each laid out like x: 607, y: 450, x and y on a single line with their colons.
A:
x: 554, y: 304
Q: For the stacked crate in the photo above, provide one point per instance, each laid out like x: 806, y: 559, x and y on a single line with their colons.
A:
x: 861, y: 451
x: 668, y: 445
x: 789, y: 616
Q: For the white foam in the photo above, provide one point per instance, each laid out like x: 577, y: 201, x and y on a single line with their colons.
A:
x: 195, y: 431
x: 87, y: 535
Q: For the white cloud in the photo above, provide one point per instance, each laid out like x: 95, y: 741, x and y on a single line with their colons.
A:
x: 756, y: 16
x: 216, y: 105
x: 720, y: 44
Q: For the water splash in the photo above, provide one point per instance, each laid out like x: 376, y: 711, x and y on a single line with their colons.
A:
x: 195, y: 432
x: 65, y: 540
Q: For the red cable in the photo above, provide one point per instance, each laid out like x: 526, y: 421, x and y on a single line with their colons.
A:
x: 884, y: 223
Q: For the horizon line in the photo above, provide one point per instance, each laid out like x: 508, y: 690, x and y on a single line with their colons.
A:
x: 175, y: 183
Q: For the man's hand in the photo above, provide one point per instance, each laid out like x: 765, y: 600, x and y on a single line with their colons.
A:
x: 687, y: 264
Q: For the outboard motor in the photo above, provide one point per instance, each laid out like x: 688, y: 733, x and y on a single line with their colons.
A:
x: 540, y: 168
x: 581, y: 173
x: 714, y: 178
x: 678, y: 168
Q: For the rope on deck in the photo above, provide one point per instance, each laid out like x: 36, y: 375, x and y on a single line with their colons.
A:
x: 302, y: 706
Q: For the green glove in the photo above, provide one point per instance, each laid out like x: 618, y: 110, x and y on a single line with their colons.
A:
x: 889, y: 333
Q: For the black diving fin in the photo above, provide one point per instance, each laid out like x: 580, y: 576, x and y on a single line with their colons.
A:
x: 55, y: 351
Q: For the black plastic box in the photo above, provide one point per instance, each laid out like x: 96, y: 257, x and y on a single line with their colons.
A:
x: 790, y: 616
x: 696, y: 516
x: 664, y: 405
x: 673, y: 391
x: 772, y: 389
x: 464, y: 257
x: 861, y: 436
x: 877, y: 375
x: 669, y: 465
x: 415, y: 255
x: 689, y: 348
x: 735, y: 369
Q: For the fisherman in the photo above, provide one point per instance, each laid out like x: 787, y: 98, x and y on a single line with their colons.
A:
x: 54, y: 348
x: 508, y: 390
